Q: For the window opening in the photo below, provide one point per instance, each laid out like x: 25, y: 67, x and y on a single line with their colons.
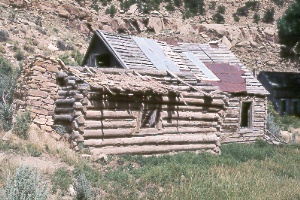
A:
x: 295, y: 107
x: 246, y: 116
x: 283, y: 106
x: 103, y: 60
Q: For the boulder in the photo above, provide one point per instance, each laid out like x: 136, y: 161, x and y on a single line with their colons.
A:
x: 225, y: 41
x: 156, y: 24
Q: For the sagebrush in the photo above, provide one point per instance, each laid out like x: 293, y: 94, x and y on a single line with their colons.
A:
x: 26, y: 184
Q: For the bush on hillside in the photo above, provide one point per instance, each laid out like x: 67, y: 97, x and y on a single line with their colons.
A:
x: 269, y: 16
x: 111, y: 11
x: 278, y: 2
x: 256, y: 18
x: 253, y: 5
x: 3, y: 35
x: 242, y: 11
x: 19, y: 55
x: 83, y: 188
x: 212, y: 5
x: 21, y: 126
x: 218, y: 18
x: 26, y: 184
x: 7, y: 86
x: 221, y: 9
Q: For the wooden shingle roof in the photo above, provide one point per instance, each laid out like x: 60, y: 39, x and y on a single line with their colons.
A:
x: 138, y: 53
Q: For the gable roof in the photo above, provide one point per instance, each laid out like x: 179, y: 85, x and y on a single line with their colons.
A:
x: 138, y: 53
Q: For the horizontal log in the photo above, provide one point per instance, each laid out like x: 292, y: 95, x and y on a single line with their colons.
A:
x: 187, y: 88
x: 190, y: 115
x: 177, y: 123
x: 160, y: 139
x: 102, y: 133
x: 106, y: 133
x: 109, y: 124
x: 240, y: 139
x: 199, y: 95
x: 113, y: 105
x: 83, y: 87
x: 105, y: 114
x: 193, y: 101
x: 151, y: 149
x: 59, y: 110
x: 65, y: 93
x: 65, y: 101
x: 67, y: 118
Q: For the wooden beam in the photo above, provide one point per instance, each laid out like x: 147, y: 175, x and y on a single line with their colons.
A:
x: 160, y: 139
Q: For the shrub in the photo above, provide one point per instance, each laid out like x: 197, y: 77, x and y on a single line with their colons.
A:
x: 212, y: 5
x: 253, y: 5
x: 77, y: 56
x: 195, y: 6
x: 67, y: 59
x: 278, y: 2
x: 3, y: 35
x: 221, y: 9
x: 83, y: 188
x: 170, y: 6
x: 269, y: 16
x: 272, y: 126
x: 26, y: 184
x: 7, y: 86
x: 33, y: 151
x: 21, y: 126
x: 20, y: 55
x: 6, y: 115
x: 61, y: 180
x: 28, y: 48
x: 178, y: 3
x: 105, y: 2
x: 111, y: 11
x: 256, y: 18
x: 125, y: 5
x: 218, y: 18
x: 235, y: 17
x: 242, y: 11
x: 61, y: 130
x: 61, y: 45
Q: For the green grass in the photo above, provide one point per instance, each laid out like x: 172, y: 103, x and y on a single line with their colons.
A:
x: 243, y: 171
x: 255, y: 171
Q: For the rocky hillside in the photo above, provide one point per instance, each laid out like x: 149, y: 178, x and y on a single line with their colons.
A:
x: 59, y: 28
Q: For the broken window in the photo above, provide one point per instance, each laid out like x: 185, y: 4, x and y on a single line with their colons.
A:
x: 295, y: 107
x: 283, y: 106
x: 246, y: 115
x: 103, y: 60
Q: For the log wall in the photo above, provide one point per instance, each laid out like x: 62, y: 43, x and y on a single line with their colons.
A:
x: 231, y: 129
x: 118, y: 121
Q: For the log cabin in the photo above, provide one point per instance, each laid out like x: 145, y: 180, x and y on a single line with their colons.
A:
x: 137, y: 95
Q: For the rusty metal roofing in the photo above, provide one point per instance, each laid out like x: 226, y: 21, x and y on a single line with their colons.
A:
x: 230, y: 77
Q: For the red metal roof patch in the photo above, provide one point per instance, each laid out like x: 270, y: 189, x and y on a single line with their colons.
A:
x: 230, y: 76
